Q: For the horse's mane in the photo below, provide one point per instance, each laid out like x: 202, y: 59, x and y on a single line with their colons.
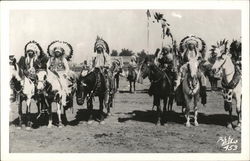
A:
x: 235, y: 49
x: 221, y: 44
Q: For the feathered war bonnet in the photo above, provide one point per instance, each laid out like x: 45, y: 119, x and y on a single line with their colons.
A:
x: 62, y: 47
x: 100, y: 43
x: 199, y: 44
x: 33, y: 47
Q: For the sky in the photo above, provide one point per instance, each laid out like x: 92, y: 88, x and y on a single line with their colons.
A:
x: 120, y: 28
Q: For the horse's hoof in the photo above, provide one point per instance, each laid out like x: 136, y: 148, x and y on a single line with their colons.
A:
x: 89, y: 122
x: 157, y: 123
x: 109, y: 114
x: 102, y: 122
x: 28, y: 128
x: 188, y: 124
x: 60, y: 125
x: 237, y: 128
x: 196, y: 124
x: 229, y: 126
x: 19, y: 128
x: 49, y: 126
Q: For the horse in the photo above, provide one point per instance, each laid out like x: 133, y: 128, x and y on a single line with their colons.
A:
x: 132, y: 76
x: 117, y: 70
x: 89, y: 86
x: 160, y: 87
x: 191, y: 88
x: 47, y: 94
x: 231, y: 80
x: 24, y: 92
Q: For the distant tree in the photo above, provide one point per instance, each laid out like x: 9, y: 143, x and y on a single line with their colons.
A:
x: 114, y: 53
x: 126, y: 52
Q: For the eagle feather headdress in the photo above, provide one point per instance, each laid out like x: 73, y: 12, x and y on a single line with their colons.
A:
x: 197, y: 41
x: 33, y: 46
x: 65, y: 47
x: 101, y: 43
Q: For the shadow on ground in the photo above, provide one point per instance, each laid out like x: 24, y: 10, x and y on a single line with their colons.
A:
x: 175, y: 117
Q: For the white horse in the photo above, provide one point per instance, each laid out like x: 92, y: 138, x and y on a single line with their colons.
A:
x: 231, y: 80
x: 191, y: 88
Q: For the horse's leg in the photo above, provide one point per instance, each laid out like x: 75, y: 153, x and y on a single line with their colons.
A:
x: 101, y: 102
x: 117, y: 82
x: 187, y: 110
x: 238, y: 110
x: 170, y: 103
x: 195, y: 111
x: 59, y: 105
x: 28, y: 104
x: 20, y: 112
x: 130, y: 86
x: 134, y: 85
x: 90, y: 110
x: 158, y: 105
x: 50, y: 115
x: 165, y: 102
x: 109, y: 104
x: 229, y: 125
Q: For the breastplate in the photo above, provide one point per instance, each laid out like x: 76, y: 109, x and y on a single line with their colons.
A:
x: 57, y: 65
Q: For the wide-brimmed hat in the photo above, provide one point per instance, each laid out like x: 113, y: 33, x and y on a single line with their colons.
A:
x: 62, y: 47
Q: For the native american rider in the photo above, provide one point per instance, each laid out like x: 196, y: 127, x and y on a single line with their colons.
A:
x: 164, y: 59
x: 193, y: 47
x: 58, y: 68
x: 34, y: 59
x: 100, y: 63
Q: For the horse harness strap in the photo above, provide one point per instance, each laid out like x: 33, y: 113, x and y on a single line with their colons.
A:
x: 228, y: 89
x: 234, y: 82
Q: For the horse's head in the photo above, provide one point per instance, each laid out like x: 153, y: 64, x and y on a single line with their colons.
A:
x: 220, y: 55
x: 41, y: 77
x: 81, y: 90
x: 192, y: 67
x: 145, y: 68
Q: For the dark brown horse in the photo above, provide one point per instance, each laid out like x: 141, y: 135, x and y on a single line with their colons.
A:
x: 131, y: 78
x: 160, y: 87
x: 89, y: 86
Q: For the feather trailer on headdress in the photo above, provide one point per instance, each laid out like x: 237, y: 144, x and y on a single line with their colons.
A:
x: 197, y: 41
x: 101, y: 43
x: 33, y: 46
x: 60, y: 46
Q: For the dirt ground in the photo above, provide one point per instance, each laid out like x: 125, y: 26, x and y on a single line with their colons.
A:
x: 130, y: 129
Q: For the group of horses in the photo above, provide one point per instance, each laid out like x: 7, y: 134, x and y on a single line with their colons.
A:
x: 86, y: 87
x: 190, y: 86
